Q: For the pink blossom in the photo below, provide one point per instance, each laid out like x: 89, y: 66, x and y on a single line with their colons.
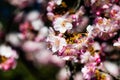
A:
x: 8, y: 64
x: 8, y: 57
x: 88, y: 71
x: 115, y: 13
x: 56, y: 42
x: 85, y: 57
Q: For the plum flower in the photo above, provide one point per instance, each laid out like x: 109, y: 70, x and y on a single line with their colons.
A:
x: 68, y: 53
x: 85, y: 57
x: 91, y: 71
x: 7, y: 57
x: 115, y: 12
x: 58, y: 2
x: 117, y: 43
x: 56, y: 42
x: 92, y: 54
x: 88, y: 71
x: 92, y: 31
x: 62, y: 25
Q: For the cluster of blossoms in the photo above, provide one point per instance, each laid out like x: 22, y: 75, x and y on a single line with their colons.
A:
x: 71, y: 44
x: 74, y: 32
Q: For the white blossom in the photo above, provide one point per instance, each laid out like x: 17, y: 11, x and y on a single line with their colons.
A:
x: 58, y: 2
x: 62, y: 25
x: 7, y: 52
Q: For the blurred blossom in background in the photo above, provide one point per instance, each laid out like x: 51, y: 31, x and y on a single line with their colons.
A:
x: 59, y: 40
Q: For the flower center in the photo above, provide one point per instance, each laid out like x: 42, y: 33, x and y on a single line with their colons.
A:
x: 67, y: 51
x: 63, y: 23
x: 2, y: 59
x: 57, y: 42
